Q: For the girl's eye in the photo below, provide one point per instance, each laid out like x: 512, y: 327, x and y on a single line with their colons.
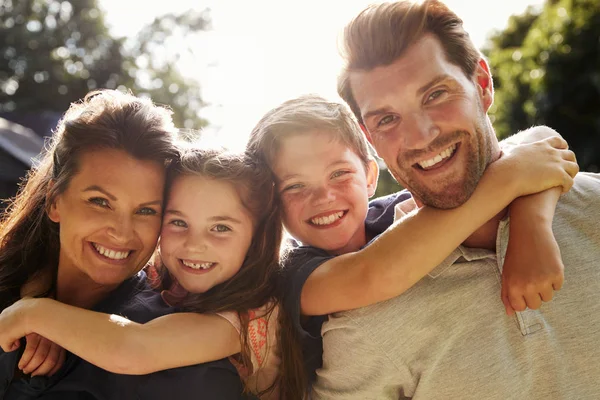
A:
x: 178, y: 223
x: 147, y: 211
x: 388, y: 119
x: 435, y: 94
x: 337, y: 174
x: 99, y: 201
x: 292, y: 187
x: 221, y: 228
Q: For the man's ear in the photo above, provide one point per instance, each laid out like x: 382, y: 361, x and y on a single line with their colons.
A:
x: 51, y: 208
x: 485, y: 84
x: 372, y: 177
x: 366, y: 132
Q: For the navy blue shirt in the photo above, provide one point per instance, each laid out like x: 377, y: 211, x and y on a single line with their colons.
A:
x: 80, y: 380
x: 303, y: 260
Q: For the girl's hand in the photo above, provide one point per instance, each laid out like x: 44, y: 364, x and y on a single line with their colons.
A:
x: 41, y: 356
x: 540, y: 165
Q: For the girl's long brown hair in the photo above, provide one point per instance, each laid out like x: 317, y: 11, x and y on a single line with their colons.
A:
x: 29, y: 241
x: 256, y: 283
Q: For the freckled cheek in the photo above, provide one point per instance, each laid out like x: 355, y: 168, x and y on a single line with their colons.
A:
x: 292, y: 206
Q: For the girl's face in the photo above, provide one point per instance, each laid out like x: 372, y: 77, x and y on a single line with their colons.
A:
x: 206, y: 232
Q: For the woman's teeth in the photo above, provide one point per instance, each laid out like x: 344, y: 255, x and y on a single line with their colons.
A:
x: 205, y: 265
x: 330, y: 219
x: 113, y: 255
x: 437, y: 159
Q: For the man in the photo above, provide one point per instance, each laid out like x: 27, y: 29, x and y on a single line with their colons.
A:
x: 421, y: 90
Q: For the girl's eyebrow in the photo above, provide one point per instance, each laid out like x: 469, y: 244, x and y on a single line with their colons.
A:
x: 224, y: 218
x: 175, y: 212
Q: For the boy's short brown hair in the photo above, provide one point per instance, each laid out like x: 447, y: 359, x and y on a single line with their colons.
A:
x: 301, y: 115
x: 382, y: 33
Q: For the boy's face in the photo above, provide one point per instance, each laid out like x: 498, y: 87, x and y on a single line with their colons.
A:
x: 325, y: 191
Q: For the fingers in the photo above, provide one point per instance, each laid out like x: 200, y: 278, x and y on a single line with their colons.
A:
x: 49, y: 362
x: 30, y: 348
x: 557, y: 142
x: 533, y: 300
x: 504, y: 296
x: 546, y: 294
x: 8, y: 347
x: 41, y: 352
x: 517, y: 302
x: 61, y: 360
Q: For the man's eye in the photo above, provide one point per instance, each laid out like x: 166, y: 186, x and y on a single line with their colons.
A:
x: 99, y: 201
x: 436, y: 94
x: 178, y: 223
x: 388, y: 119
x: 339, y: 173
x: 221, y: 228
x: 147, y: 211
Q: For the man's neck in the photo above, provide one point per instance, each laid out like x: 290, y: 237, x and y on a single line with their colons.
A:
x: 485, y: 236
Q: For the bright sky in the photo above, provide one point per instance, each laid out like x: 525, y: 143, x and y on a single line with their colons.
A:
x: 262, y: 52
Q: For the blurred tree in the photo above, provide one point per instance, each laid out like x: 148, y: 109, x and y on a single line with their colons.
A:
x: 546, y: 68
x: 53, y: 52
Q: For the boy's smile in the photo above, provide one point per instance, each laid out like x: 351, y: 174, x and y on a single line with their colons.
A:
x: 324, y: 189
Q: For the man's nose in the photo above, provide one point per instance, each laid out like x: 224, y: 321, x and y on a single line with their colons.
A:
x: 419, y: 131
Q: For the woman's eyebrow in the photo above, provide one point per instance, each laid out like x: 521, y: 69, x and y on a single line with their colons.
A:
x: 96, y: 188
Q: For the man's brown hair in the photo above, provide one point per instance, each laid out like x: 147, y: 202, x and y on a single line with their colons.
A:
x: 382, y: 33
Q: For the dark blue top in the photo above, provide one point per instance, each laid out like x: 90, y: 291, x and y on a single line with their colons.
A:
x: 303, y: 260
x: 80, y: 380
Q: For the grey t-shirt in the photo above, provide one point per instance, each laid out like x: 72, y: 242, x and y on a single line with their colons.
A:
x: 448, y: 336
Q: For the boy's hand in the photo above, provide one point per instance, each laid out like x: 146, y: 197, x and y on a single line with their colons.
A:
x: 41, y: 356
x: 540, y: 165
x: 533, y: 267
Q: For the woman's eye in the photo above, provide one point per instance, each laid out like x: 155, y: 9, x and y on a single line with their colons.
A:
x: 388, y: 119
x: 221, y: 228
x: 147, y: 211
x: 99, y: 201
x: 178, y: 223
x: 337, y: 174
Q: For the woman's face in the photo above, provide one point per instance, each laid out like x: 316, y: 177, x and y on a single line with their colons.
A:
x: 109, y: 218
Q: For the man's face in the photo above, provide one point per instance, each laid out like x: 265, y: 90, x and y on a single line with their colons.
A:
x: 324, y: 189
x: 428, y: 121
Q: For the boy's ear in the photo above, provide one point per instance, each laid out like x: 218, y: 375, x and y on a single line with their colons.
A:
x: 372, y: 177
x: 485, y: 84
x: 366, y: 132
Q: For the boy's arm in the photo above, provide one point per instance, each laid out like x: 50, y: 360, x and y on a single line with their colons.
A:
x: 412, y: 247
x: 118, y: 345
x: 533, y: 267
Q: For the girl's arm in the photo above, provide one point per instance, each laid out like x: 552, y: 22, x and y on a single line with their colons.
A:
x: 118, y: 345
x: 413, y: 246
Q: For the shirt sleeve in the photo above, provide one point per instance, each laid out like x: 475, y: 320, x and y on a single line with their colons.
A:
x: 354, y: 367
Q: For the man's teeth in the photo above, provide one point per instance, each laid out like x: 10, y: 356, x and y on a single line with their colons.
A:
x: 330, y: 219
x: 114, y: 255
x: 442, y: 156
x: 205, y: 265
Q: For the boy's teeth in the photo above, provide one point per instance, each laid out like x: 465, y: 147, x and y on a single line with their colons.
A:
x: 442, y: 156
x: 205, y: 265
x: 327, y: 220
x: 114, y: 255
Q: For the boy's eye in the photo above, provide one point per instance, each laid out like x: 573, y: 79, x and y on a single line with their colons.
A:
x: 221, y: 228
x: 178, y: 223
x: 99, y: 201
x: 388, y: 119
x: 147, y: 211
x: 337, y: 174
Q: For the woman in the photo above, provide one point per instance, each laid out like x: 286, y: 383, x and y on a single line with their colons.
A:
x: 81, y: 229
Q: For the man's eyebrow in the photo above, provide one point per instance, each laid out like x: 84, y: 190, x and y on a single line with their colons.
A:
x: 96, y: 188
x: 378, y: 111
x: 432, y: 83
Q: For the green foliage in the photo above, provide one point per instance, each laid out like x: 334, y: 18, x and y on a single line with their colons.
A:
x: 53, y: 52
x: 547, y: 71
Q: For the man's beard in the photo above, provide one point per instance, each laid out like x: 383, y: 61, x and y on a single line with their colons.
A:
x: 457, y: 194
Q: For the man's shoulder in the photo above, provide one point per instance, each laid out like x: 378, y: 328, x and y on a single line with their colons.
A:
x: 584, y: 196
x: 381, y: 211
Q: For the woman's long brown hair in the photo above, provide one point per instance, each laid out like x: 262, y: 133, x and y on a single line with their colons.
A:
x: 29, y: 240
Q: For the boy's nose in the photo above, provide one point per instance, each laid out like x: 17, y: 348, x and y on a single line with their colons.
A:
x: 322, y: 195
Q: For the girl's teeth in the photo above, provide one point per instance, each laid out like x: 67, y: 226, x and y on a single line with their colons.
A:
x: 108, y: 253
x: 197, y: 266
x: 327, y: 220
